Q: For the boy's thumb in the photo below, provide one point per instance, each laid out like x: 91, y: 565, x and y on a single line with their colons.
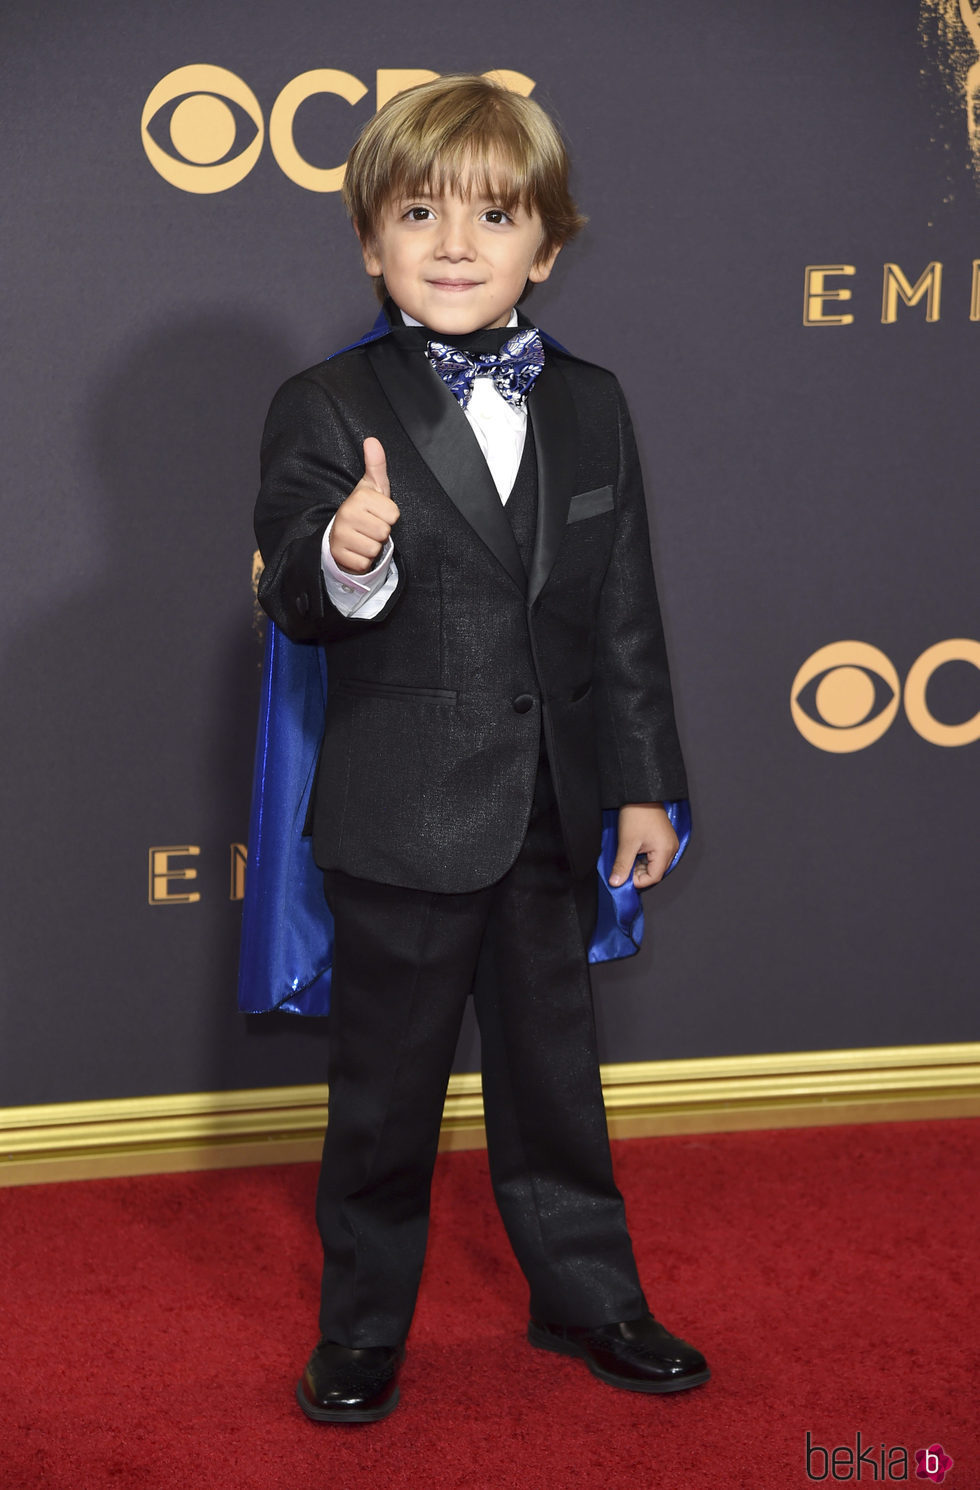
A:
x: 623, y: 866
x: 375, y: 464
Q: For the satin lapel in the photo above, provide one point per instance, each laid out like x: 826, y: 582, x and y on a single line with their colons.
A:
x: 438, y: 428
x: 553, y: 420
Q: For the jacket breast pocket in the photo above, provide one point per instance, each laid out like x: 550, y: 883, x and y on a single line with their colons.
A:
x: 590, y: 503
x: 370, y: 689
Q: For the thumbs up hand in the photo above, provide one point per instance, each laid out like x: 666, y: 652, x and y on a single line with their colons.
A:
x: 365, y: 519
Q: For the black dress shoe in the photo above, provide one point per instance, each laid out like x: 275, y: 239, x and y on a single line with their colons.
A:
x: 341, y: 1385
x: 639, y: 1354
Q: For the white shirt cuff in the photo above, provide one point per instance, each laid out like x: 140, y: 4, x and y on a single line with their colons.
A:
x: 363, y: 595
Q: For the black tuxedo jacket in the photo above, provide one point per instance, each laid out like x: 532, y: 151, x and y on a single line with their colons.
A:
x: 436, y: 707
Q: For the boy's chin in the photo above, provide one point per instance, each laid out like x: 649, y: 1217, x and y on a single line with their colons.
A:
x: 464, y: 327
x: 459, y: 319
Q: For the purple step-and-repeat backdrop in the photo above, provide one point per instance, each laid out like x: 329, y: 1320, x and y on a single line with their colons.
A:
x: 781, y: 263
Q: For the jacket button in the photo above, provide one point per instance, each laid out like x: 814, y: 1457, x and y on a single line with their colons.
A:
x: 522, y: 703
x: 303, y: 604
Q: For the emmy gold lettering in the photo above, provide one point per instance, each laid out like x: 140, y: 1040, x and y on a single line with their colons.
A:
x: 816, y: 293
x: 165, y: 876
x: 975, y: 292
x: 318, y: 80
x: 971, y: 20
x: 896, y: 287
x: 239, y: 859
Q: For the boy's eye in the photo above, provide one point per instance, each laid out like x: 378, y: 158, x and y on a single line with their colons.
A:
x: 419, y: 214
x: 497, y: 215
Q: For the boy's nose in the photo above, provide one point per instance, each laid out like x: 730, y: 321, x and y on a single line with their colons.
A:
x: 456, y: 241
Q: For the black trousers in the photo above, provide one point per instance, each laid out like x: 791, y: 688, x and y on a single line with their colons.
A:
x: 405, y: 962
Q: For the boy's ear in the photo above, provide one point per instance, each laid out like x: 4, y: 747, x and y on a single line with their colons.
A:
x: 542, y: 267
x: 369, y: 253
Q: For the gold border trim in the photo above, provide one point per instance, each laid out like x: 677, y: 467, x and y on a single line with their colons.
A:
x: 215, y: 1130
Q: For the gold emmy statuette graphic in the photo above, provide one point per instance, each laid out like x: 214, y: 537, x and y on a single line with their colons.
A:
x: 971, y: 20
x: 955, y: 26
x: 258, y: 614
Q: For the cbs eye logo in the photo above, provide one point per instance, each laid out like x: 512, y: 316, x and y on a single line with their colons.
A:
x: 203, y: 128
x: 206, y: 113
x: 847, y: 694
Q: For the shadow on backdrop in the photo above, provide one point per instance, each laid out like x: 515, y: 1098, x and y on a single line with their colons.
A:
x: 130, y: 718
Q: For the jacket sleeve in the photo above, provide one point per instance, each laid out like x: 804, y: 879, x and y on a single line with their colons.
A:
x: 639, y: 751
x: 310, y: 462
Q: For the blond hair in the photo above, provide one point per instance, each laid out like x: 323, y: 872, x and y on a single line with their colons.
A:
x: 463, y: 133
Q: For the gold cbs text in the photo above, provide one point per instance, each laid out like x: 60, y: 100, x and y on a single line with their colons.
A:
x: 849, y: 712
x: 203, y: 128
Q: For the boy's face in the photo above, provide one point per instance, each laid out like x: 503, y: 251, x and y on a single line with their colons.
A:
x: 457, y: 264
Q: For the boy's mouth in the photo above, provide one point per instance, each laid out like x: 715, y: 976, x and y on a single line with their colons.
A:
x: 454, y: 284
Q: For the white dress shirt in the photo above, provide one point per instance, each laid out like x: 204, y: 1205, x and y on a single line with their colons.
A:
x: 500, y: 429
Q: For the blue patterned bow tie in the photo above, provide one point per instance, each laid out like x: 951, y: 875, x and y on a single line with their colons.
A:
x: 513, y: 370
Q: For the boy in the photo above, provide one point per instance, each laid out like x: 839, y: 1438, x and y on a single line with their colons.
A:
x: 454, y: 512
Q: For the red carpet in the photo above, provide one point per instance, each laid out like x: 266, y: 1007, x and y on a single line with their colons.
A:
x: 153, y: 1329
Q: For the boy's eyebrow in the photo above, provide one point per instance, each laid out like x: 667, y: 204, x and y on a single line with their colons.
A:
x: 502, y: 198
